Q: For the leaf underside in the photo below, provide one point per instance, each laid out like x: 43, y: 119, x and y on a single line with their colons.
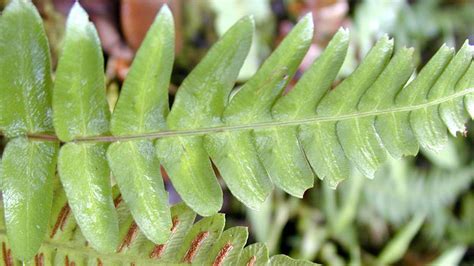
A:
x: 201, y: 243
x: 257, y: 139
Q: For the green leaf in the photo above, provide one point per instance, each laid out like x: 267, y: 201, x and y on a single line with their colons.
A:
x: 28, y: 171
x: 429, y: 123
x: 85, y: 174
x: 197, y: 244
x: 302, y: 100
x: 183, y: 218
x: 137, y: 173
x: 255, y: 254
x: 254, y: 100
x: 395, y: 129
x: 236, y: 155
x: 200, y: 243
x: 358, y: 137
x: 280, y: 149
x: 227, y: 249
x: 65, y: 257
x: 261, y: 138
x: 79, y: 104
x: 143, y: 103
x: 199, y: 103
x: 284, y: 260
x: 142, y: 107
x: 398, y: 246
x: 191, y: 173
x: 80, y: 110
x: 452, y: 112
x: 62, y: 223
x: 25, y: 82
x: 320, y: 141
x: 467, y: 81
x: 202, y: 96
x: 237, y: 160
x: 129, y: 234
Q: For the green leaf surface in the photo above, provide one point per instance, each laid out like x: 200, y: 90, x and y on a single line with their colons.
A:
x: 236, y: 155
x: 198, y: 242
x: 62, y: 223
x: 142, y: 107
x: 302, y: 100
x: 254, y: 99
x: 255, y: 254
x: 202, y: 243
x: 320, y: 141
x: 359, y: 138
x: 283, y: 158
x: 202, y: 96
x: 183, y: 218
x: 397, y: 138
x: 137, y: 173
x: 79, y: 104
x: 467, y: 81
x: 428, y: 123
x: 358, y: 82
x: 143, y: 102
x: 452, y: 112
x: 65, y: 257
x: 199, y: 102
x: 28, y: 171
x: 85, y: 176
x: 129, y: 233
x: 25, y: 67
x: 281, y: 149
x: 260, y: 139
x: 191, y: 173
x: 283, y: 260
x: 227, y: 249
x: 395, y: 129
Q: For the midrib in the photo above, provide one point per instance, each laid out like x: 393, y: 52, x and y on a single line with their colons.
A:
x: 261, y: 125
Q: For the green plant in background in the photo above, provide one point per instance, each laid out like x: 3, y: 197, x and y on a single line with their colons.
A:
x: 402, y: 19
x: 257, y: 139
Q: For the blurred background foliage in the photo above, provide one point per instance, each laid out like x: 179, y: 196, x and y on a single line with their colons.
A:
x: 417, y: 211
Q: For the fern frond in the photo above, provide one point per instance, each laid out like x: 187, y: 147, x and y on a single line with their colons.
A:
x: 257, y: 139
x: 402, y: 193
x: 26, y: 86
x: 143, y: 108
x: 28, y: 192
x: 201, y: 243
x: 80, y: 109
x: 185, y: 158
